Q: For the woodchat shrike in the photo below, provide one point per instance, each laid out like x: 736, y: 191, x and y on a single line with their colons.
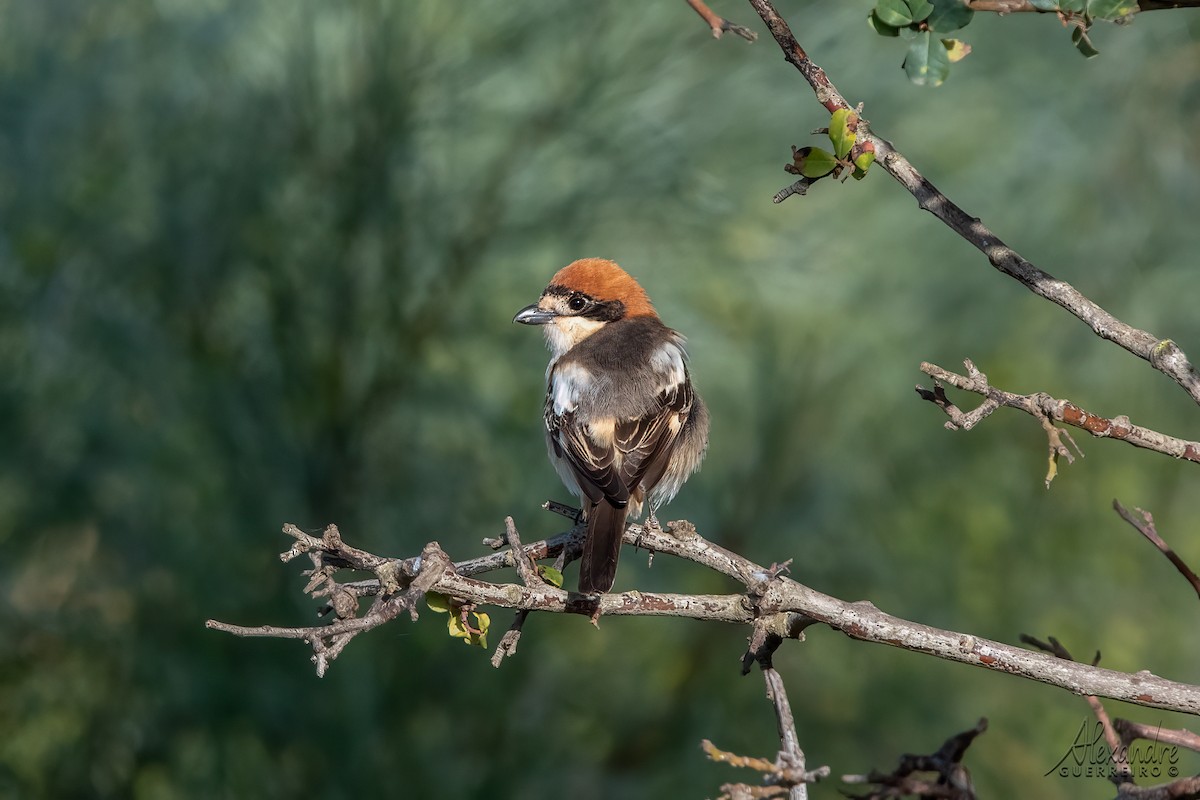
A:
x: 623, y: 422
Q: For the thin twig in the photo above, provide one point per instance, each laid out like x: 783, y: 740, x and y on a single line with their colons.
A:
x: 508, y: 642
x: 1145, y: 526
x: 789, y: 768
x: 1044, y: 407
x: 719, y: 24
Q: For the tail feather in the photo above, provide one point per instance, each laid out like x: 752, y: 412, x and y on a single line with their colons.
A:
x: 601, y: 548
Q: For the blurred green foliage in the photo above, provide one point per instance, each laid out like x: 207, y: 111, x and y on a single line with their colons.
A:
x: 257, y: 264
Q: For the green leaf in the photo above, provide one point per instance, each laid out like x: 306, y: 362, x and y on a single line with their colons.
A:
x: 882, y: 28
x: 1045, y: 5
x: 841, y: 131
x: 459, y: 630
x: 1075, y: 6
x: 551, y: 575
x: 1111, y: 9
x: 862, y: 164
x: 437, y: 602
x: 949, y: 15
x: 1083, y: 44
x: 928, y: 61
x: 894, y: 12
x: 816, y: 163
x: 919, y: 9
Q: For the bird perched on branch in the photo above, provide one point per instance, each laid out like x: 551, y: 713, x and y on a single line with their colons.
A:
x: 623, y: 423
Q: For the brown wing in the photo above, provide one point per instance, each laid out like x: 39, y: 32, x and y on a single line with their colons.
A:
x: 592, y: 462
x: 649, y: 441
x: 636, y: 454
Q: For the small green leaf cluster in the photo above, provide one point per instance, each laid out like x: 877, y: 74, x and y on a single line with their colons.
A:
x: 456, y: 612
x: 920, y: 22
x: 1094, y: 9
x: 1080, y: 14
x: 929, y: 56
x: 550, y: 575
x: 815, y: 162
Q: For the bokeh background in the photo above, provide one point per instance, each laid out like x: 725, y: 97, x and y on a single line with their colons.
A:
x: 257, y: 264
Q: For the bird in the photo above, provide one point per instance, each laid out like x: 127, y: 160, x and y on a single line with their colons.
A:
x: 624, y: 426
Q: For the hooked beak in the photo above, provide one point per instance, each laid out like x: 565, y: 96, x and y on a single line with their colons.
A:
x: 532, y: 315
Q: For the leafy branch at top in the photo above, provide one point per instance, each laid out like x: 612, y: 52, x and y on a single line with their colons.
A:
x: 920, y: 23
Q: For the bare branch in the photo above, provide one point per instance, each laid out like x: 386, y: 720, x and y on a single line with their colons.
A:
x: 770, y: 599
x: 1145, y: 526
x: 1163, y: 354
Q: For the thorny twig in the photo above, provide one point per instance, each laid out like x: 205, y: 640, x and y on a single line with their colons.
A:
x: 788, y: 771
x: 952, y: 781
x: 718, y: 24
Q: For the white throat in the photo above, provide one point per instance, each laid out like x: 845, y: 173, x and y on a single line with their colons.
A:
x: 565, y: 332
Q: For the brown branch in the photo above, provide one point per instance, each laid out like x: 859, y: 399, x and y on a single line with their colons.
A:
x: 529, y: 576
x: 1145, y: 526
x: 1163, y: 354
x: 719, y: 24
x: 1044, y: 407
x: 770, y: 599
x: 508, y: 642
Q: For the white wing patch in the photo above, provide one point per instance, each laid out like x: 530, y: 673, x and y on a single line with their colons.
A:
x: 667, y: 360
x: 569, y: 382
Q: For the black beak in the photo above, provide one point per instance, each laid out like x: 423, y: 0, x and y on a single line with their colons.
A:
x: 532, y: 315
